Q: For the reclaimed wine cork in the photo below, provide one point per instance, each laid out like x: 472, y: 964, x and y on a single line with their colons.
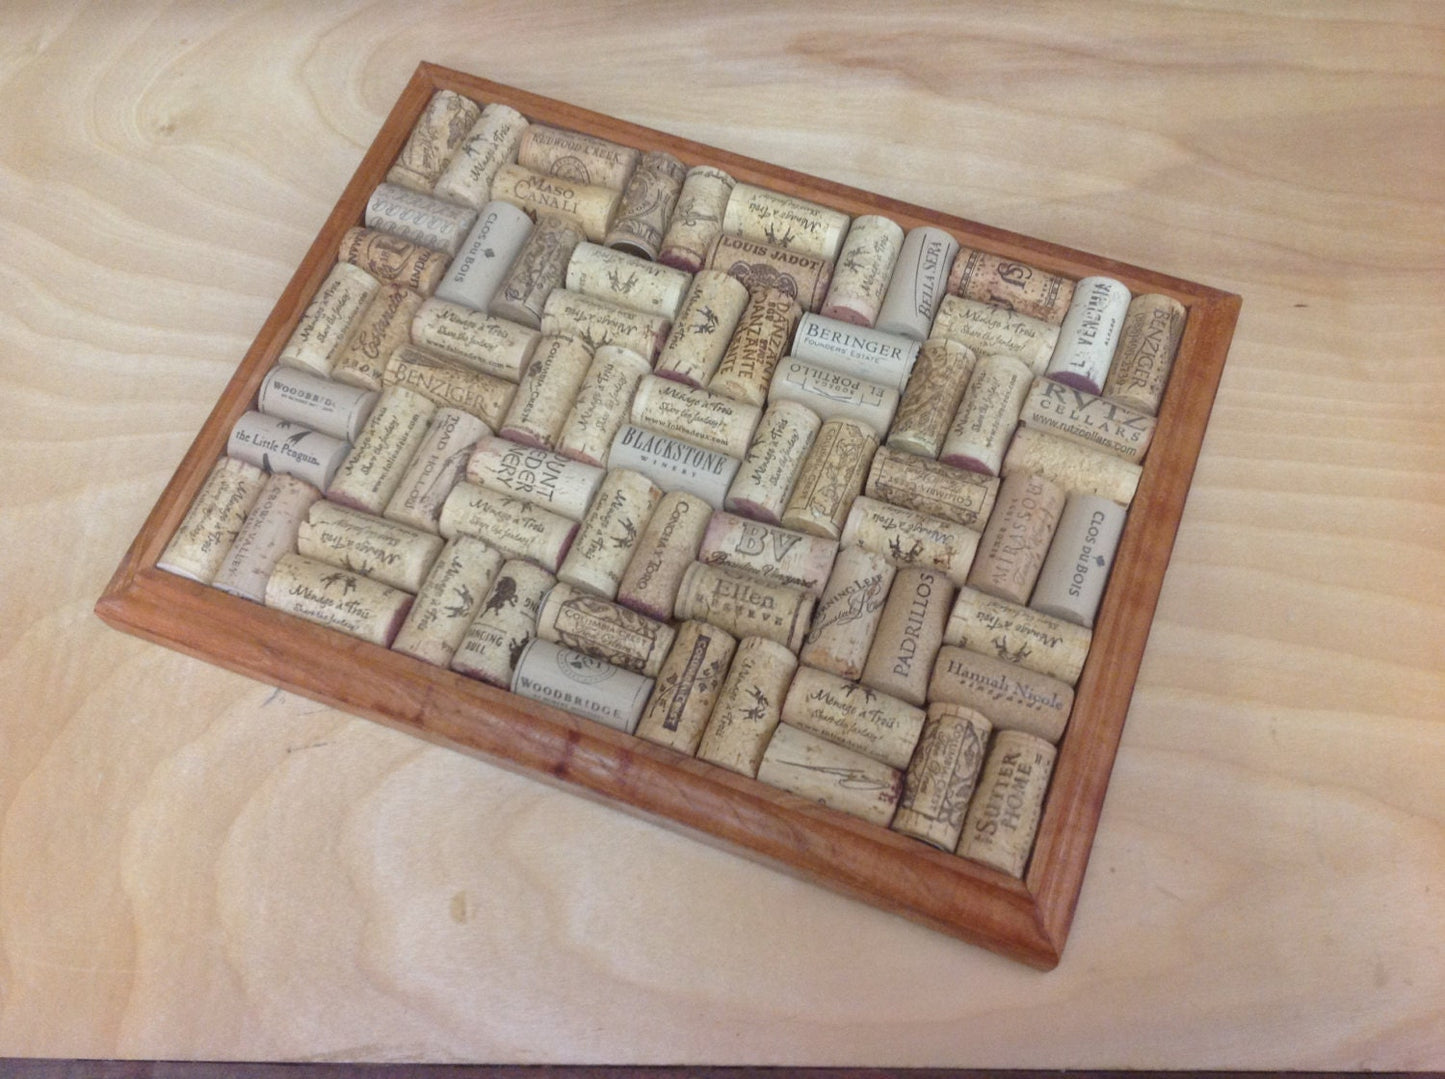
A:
x: 773, y: 461
x: 602, y: 405
x: 572, y: 155
x: 609, y: 631
x: 909, y: 635
x: 318, y: 403
x: 1016, y: 539
x: 872, y: 723
x: 756, y: 213
x: 449, y: 600
x: 687, y: 687
x: 831, y: 478
x: 485, y: 256
x: 535, y: 476
x: 884, y: 358
x: 749, y: 706
x: 865, y: 264
x: 1147, y: 346
x: 384, y: 327
x: 822, y: 771
x: 450, y: 383
x: 378, y: 460
x: 803, y: 277
x: 590, y: 207
x: 908, y: 538
x: 697, y: 219
x: 772, y: 554
x: 538, y: 268
x: 917, y: 285
x: 987, y: 329
x: 286, y: 447
x: 700, y: 417
x: 743, y: 605
x: 546, y: 391
x: 581, y: 684
x: 209, y: 529
x: 516, y: 528
x: 1089, y: 420
x: 647, y: 204
x: 834, y: 395
x: 943, y: 775
x: 995, y: 627
x: 419, y: 217
x: 394, y: 260
x: 438, y: 464
x: 329, y: 320
x: 932, y: 397
x: 385, y: 551
x: 980, y: 433
x: 492, y: 345
x: 608, y: 537
x: 702, y: 328
x: 1011, y: 696
x: 925, y: 485
x: 626, y: 280
x: 1089, y: 334
x: 597, y: 322
x: 667, y: 547
x: 847, y: 616
x: 1073, y: 467
x: 1071, y: 582
x: 674, y: 465
x: 504, y: 623
x: 1004, y: 815
x: 491, y: 143
x: 757, y: 344
x: 268, y: 533
x: 439, y: 131
x: 1014, y: 286
x: 341, y: 599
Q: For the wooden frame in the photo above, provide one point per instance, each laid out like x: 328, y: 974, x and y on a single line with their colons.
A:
x: 1025, y: 919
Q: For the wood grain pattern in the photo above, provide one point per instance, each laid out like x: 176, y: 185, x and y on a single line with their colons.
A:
x: 187, y: 870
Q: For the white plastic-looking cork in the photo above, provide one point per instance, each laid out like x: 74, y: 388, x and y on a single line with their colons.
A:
x: 1017, y: 537
x: 873, y: 355
x: 491, y: 143
x: 495, y: 346
x: 772, y: 554
x: 581, y: 684
x: 385, y: 551
x: 602, y: 405
x: 449, y: 382
x: 697, y: 219
x: 514, y: 527
x: 538, y: 268
x: 771, y: 465
x: 211, y: 524
x: 374, y: 468
x: 437, y: 134
x: 822, y: 771
x: 337, y: 598
x: 1089, y: 334
x: 604, y: 545
x: 485, y: 256
x: 383, y: 327
x: 535, y: 476
x: 674, y: 465
x: 394, y: 260
x: 329, y: 319
x: 749, y: 706
x: 546, y: 391
x: 505, y: 622
x: 987, y: 329
x: 926, y: 485
x: 1147, y: 346
x: 831, y: 478
x: 269, y: 532
x: 848, y: 613
x: 757, y: 344
x: 995, y: 627
x: 621, y: 636
x: 666, y: 548
x: 687, y: 687
x: 1006, y: 283
x: 980, y: 433
x: 909, y: 634
x: 757, y: 213
x: 449, y: 599
x: 419, y: 217
x: 916, y: 286
x: 694, y: 415
x: 1003, y: 817
x: 942, y: 775
x: 598, y: 322
x: 1073, y: 467
x: 1011, y: 696
x: 282, y: 446
x: 853, y: 715
x: 757, y: 265
x: 1089, y: 420
x: 908, y: 538
x: 702, y: 328
x: 586, y: 159
x: 318, y: 403
x: 865, y: 264
x: 627, y: 280
x: 647, y: 204
x: 592, y: 208
x: 932, y: 396
x: 1071, y: 583
x: 438, y: 464
x: 834, y: 395
x: 743, y: 605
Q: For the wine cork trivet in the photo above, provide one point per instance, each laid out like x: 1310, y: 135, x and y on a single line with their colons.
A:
x: 908, y: 538
x: 597, y: 322
x: 1017, y: 537
x: 771, y: 554
x: 757, y: 344
x: 393, y: 260
x: 581, y: 684
x: 770, y: 468
x: 374, y: 468
x: 702, y: 328
x: 505, y: 622
x: 590, y: 207
x: 831, y: 478
x: 514, y: 527
x: 437, y: 466
x: 674, y: 465
x: 546, y: 391
x: 1090, y: 334
x: 586, y: 159
x: 1004, y: 814
x: 865, y: 264
x: 687, y: 687
x: 701, y: 417
x: 666, y: 548
x: 909, y: 635
x: 757, y: 213
x: 449, y: 600
x: 1073, y: 467
x: 1033, y: 639
x: 1011, y: 696
x: 384, y: 327
x: 211, y: 524
x: 491, y: 143
x: 609, y: 532
x: 697, y: 220
x: 338, y: 598
x: 749, y: 706
x: 329, y: 319
x: 495, y: 346
x: 932, y: 396
x: 834, y: 395
x: 853, y: 715
x: 385, y: 551
x: 450, y: 383
x: 848, y: 613
x: 283, y: 446
x: 269, y: 532
x: 916, y: 287
x: 318, y: 403
x: 884, y: 358
x: 602, y: 405
x: 756, y: 265
x: 743, y: 605
x: 1089, y: 420
x: 538, y: 477
x: 942, y: 776
x: 647, y: 204
x: 597, y: 627
x: 1071, y: 583
x: 988, y: 415
x: 822, y: 771
x: 485, y: 256
x: 988, y: 329
x: 438, y: 133
x: 925, y: 485
x: 626, y: 280
x: 539, y: 267
x: 1014, y: 286
x: 1147, y: 345
x: 420, y: 218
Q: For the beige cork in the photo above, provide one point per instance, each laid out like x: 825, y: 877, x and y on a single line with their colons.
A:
x: 932, y: 396
x: 756, y: 265
x: 702, y: 328
x: 1014, y: 286
x: 865, y: 264
x: 572, y: 155
x: 449, y: 599
x: 744, y: 605
x: 1147, y: 346
x: 666, y: 548
x: 840, y: 778
x: 494, y: 346
x: 942, y: 775
x: 514, y: 527
x: 504, y: 623
x: 282, y: 446
x: 546, y: 391
x: 1033, y: 639
x: 626, y: 280
x: 209, y: 528
x: 605, y: 543
x: 769, y: 553
x: 757, y: 344
x: 315, y: 402
x: 538, y: 477
x: 925, y: 485
x: 916, y: 287
x: 697, y: 219
x: 1011, y: 696
x: 687, y: 687
x: 385, y: 551
x: 853, y: 715
x: 1089, y: 420
x: 329, y: 320
x: 450, y: 383
x: 757, y: 213
x: 749, y: 706
x: 394, y: 260
x: 980, y: 433
x: 419, y: 217
x: 591, y: 208
x: 1090, y: 333
x: 374, y: 468
x: 597, y: 322
x: 1073, y: 467
x: 909, y: 634
x: 848, y: 613
x: 1071, y: 583
x: 908, y: 538
x: 269, y: 532
x: 831, y: 478
x: 698, y: 416
x: 337, y: 598
x: 608, y: 631
x: 869, y: 354
x: 485, y: 256
x: 987, y: 329
x: 834, y: 395
x: 602, y: 404
x: 436, y: 467
x: 383, y: 327
x: 438, y: 133
x: 491, y: 143
x: 647, y: 204
x: 1004, y: 814
x: 770, y: 468
x: 1017, y: 536
x: 539, y: 267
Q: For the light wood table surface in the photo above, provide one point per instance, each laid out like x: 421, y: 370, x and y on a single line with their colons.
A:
x: 195, y: 865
